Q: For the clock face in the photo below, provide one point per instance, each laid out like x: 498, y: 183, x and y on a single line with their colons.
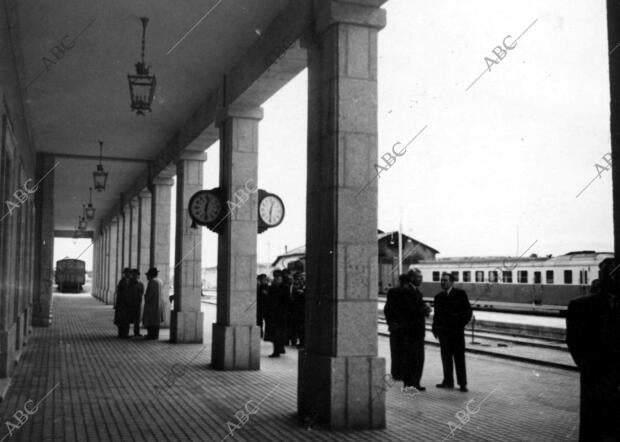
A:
x: 271, y: 210
x: 205, y: 207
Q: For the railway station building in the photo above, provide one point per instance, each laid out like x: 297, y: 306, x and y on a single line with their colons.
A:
x: 63, y: 81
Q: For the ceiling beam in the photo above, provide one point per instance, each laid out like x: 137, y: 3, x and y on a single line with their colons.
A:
x: 94, y: 157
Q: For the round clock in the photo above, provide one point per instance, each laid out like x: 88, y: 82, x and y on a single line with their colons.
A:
x: 205, y: 207
x: 271, y: 210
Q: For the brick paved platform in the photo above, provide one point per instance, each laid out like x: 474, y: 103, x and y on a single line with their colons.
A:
x: 100, y: 388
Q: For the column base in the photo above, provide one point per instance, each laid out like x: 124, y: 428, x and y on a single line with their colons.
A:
x: 235, y: 347
x: 341, y: 393
x: 186, y: 327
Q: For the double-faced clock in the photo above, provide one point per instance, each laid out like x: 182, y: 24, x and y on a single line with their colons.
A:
x: 206, y: 208
x: 270, y: 210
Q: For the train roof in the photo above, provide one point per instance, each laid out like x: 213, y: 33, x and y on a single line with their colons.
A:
x: 586, y: 256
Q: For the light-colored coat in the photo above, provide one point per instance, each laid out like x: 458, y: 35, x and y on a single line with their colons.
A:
x: 153, y: 313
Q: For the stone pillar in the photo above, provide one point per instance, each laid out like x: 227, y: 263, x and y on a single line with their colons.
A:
x: 236, y: 337
x: 161, y: 205
x: 119, y: 252
x: 44, y: 243
x: 133, y: 233
x: 112, y: 273
x: 106, y: 263
x: 186, y: 322
x: 95, y: 279
x: 144, y: 232
x: 127, y: 236
x: 613, y: 33
x: 340, y: 375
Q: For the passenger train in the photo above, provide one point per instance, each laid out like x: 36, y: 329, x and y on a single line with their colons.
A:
x: 532, y: 280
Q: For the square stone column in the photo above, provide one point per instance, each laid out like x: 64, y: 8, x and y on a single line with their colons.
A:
x: 106, y: 263
x: 125, y: 216
x: 236, y: 337
x: 133, y: 233
x: 159, y: 255
x: 144, y: 232
x: 95, y: 279
x: 113, y: 250
x: 340, y: 375
x: 613, y: 34
x: 44, y: 243
x: 186, y: 324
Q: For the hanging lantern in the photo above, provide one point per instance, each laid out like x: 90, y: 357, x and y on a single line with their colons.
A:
x: 82, y: 223
x: 89, y: 211
x: 100, y: 176
x: 142, y: 85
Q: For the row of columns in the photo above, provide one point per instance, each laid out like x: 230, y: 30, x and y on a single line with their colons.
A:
x: 339, y: 370
x: 138, y: 237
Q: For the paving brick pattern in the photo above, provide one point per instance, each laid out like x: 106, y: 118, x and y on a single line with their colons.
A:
x: 101, y: 388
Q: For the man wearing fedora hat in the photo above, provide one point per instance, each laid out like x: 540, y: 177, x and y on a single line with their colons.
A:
x: 153, y: 314
x: 121, y: 305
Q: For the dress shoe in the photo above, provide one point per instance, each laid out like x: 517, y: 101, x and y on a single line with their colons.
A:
x: 463, y: 388
x: 420, y: 388
x: 274, y: 355
x: 443, y: 385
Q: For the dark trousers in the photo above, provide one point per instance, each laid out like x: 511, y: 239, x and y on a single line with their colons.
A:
x: 152, y: 332
x: 416, y: 353
x: 136, y: 328
x: 280, y: 338
x: 123, y: 331
x: 453, y: 348
x: 396, y: 354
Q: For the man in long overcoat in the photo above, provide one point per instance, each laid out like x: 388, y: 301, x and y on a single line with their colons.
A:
x: 419, y: 311
x: 593, y: 338
x: 452, y: 313
x: 121, y: 305
x: 136, y: 291
x: 397, y: 315
x: 277, y: 310
x: 153, y: 314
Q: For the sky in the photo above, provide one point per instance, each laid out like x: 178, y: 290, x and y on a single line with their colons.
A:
x: 498, y: 166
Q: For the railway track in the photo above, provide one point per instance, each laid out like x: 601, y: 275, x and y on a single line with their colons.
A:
x: 504, y: 343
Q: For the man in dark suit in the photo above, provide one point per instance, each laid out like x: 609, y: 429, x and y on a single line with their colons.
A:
x: 593, y: 338
x: 396, y: 316
x: 452, y: 313
x: 419, y: 312
x: 262, y: 290
x: 278, y: 300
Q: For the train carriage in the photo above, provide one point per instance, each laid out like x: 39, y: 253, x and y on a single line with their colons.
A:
x: 70, y: 275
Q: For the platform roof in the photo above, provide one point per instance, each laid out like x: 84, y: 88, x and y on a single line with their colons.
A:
x: 83, y: 96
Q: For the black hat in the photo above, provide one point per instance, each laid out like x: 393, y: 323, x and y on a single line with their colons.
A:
x: 126, y: 270
x: 152, y: 272
x: 135, y: 271
x: 276, y: 273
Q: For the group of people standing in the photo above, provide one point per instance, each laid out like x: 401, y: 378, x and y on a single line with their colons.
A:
x: 281, y: 305
x: 128, y: 304
x: 406, y: 312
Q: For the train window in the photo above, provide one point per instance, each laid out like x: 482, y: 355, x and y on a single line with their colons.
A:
x: 479, y: 276
x: 507, y: 276
x: 455, y: 275
x: 568, y: 276
x: 435, y: 276
x: 549, y: 276
x: 467, y: 276
x: 522, y: 276
x: 583, y: 277
x: 492, y: 275
x: 537, y: 277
